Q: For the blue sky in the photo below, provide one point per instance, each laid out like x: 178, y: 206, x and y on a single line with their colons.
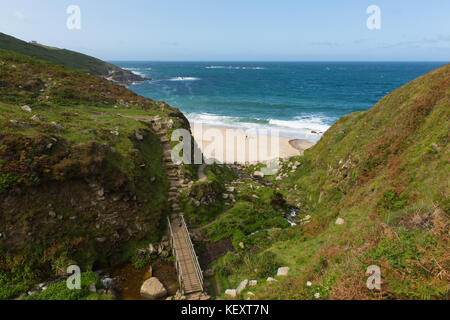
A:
x: 293, y: 30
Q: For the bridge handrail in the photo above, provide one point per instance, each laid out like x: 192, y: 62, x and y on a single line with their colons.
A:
x: 174, y: 253
x: 192, y: 250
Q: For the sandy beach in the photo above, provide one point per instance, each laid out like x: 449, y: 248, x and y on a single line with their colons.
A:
x: 239, y: 146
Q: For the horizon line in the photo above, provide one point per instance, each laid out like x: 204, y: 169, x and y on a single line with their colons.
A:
x: 277, y: 61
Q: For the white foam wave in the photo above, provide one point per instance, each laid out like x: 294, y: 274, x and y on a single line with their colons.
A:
x: 234, y: 68
x: 309, y: 128
x: 184, y: 79
x: 311, y: 123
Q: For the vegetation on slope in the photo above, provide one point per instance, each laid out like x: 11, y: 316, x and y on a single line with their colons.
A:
x: 70, y: 59
x: 81, y: 178
x: 385, y: 173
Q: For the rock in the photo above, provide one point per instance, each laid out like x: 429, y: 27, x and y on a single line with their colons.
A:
x: 225, y: 196
x: 307, y: 218
x: 139, y: 136
x: 251, y: 294
x: 283, y: 272
x: 52, y: 214
x: 107, y: 282
x: 26, y: 108
x: 435, y: 147
x: 151, y: 249
x: 153, y: 179
x: 242, y: 286
x: 241, y: 245
x: 20, y: 123
x: 317, y: 295
x: 340, y: 221
x: 231, y: 293
x: 252, y: 283
x: 231, y: 189
x: 101, y: 192
x: 115, y: 133
x: 309, y: 284
x: 153, y: 289
x: 57, y: 126
x: 38, y: 118
x: 92, y: 288
x: 270, y: 279
x: 258, y: 174
x: 164, y: 254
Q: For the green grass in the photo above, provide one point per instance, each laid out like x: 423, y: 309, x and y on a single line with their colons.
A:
x: 70, y: 59
x: 379, y: 172
x: 42, y: 166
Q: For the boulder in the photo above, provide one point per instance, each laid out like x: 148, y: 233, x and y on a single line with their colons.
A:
x: 38, y: 118
x: 107, y: 282
x: 242, y: 286
x: 57, y: 126
x: 258, y: 174
x: 231, y: 293
x: 340, y: 221
x: 436, y: 147
x: 270, y: 279
x: 139, y: 136
x: 252, y: 283
x: 20, y: 123
x: 153, y: 289
x: 283, y: 272
x: 26, y: 108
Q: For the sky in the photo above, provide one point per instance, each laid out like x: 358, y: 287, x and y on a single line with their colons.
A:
x: 237, y: 30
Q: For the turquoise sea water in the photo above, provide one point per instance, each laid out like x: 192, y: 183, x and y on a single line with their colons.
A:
x: 301, y: 100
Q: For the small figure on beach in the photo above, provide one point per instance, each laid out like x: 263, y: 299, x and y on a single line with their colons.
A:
x: 163, y: 106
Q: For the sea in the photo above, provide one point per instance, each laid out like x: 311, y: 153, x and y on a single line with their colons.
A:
x: 298, y: 100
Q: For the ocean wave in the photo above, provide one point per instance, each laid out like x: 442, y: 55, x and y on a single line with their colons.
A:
x: 184, y: 79
x: 306, y: 127
x: 137, y: 69
x: 311, y: 123
x: 235, y: 68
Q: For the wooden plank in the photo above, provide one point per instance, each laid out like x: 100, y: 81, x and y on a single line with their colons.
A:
x: 191, y: 282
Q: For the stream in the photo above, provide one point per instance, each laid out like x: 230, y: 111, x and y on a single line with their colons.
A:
x: 128, y: 280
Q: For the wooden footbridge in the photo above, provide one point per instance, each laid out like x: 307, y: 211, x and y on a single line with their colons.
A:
x: 190, y: 276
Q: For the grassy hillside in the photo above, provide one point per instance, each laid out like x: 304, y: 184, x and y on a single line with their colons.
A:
x: 77, y: 185
x: 385, y: 173
x: 70, y: 59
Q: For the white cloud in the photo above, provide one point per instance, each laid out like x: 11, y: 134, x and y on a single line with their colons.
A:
x: 19, y: 15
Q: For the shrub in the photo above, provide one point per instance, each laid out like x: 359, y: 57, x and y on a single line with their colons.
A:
x: 7, y: 181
